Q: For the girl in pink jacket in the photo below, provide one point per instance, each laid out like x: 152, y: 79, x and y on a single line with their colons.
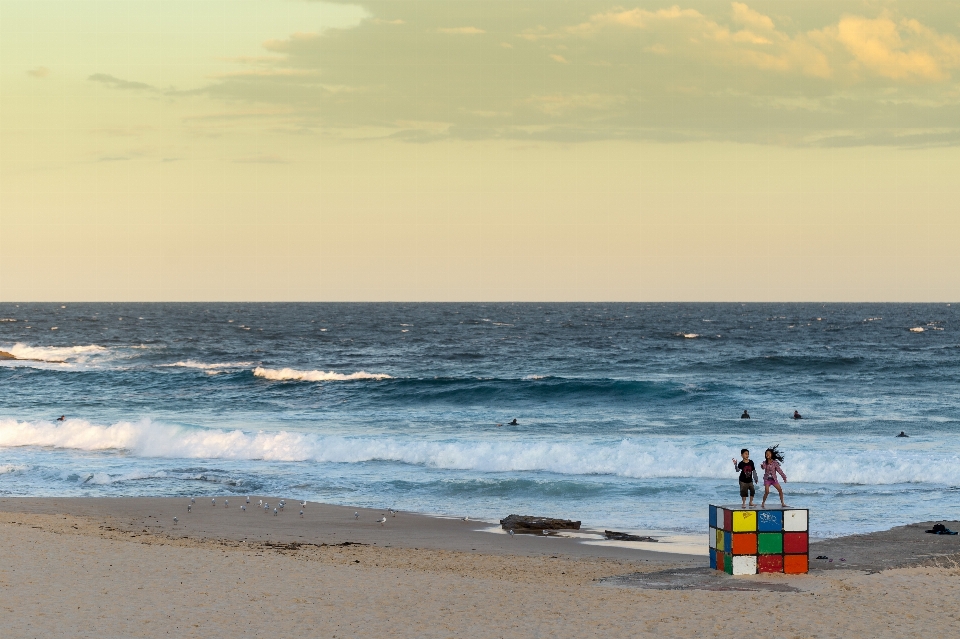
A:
x: 771, y: 467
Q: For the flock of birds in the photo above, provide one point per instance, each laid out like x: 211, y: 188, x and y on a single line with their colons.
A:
x: 277, y: 509
x: 303, y: 505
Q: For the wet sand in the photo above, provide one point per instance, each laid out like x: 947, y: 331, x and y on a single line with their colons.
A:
x: 120, y: 568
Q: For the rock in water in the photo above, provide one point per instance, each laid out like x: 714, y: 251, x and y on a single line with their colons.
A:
x: 622, y: 536
x: 535, y: 525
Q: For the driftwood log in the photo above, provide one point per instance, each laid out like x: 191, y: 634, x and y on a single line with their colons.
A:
x: 537, y: 525
x: 622, y: 536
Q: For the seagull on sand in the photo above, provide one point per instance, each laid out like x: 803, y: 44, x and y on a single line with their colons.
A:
x: 192, y: 500
x: 466, y: 519
x: 303, y: 504
x: 248, y: 499
x: 510, y: 532
x: 356, y: 515
x: 213, y: 502
x: 382, y: 520
x: 274, y: 512
x: 175, y: 520
x: 393, y: 513
x: 260, y: 503
x: 301, y: 514
x: 226, y: 503
x: 243, y: 508
x: 189, y: 507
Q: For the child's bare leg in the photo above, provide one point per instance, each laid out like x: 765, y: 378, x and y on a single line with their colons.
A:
x: 780, y: 490
x: 766, y: 491
x: 752, y: 493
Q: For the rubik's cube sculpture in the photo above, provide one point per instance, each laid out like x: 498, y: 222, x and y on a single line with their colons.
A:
x: 747, y: 542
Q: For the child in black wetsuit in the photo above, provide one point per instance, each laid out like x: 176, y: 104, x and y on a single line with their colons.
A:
x: 748, y: 477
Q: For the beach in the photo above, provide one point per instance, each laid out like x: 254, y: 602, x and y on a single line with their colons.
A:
x: 120, y: 568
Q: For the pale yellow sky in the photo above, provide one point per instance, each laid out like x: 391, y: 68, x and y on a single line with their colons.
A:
x: 494, y: 150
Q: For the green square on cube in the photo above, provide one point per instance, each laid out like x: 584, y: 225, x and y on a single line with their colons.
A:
x: 770, y: 543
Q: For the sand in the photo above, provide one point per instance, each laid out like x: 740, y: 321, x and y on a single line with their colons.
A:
x: 119, y: 568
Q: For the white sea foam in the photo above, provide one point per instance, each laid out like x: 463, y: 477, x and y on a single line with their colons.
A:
x: 654, y: 458
x: 290, y: 374
x: 10, y: 468
x: 206, y: 367
x: 55, y: 354
x: 690, y: 335
x: 916, y: 329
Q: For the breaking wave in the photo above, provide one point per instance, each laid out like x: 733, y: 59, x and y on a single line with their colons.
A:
x: 206, y: 367
x: 633, y: 458
x: 290, y: 374
x: 55, y: 354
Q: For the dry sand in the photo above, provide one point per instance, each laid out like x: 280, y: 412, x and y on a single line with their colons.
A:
x: 119, y: 568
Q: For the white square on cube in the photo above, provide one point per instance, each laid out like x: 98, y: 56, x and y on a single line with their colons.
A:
x: 745, y: 565
x: 718, y: 516
x: 795, y: 520
x: 713, y: 537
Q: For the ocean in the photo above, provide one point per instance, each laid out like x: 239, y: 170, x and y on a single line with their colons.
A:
x: 628, y: 415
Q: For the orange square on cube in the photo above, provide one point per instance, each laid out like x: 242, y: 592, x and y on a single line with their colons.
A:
x: 795, y: 564
x: 744, y: 543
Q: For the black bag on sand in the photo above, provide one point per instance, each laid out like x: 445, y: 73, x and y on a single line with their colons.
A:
x: 940, y: 529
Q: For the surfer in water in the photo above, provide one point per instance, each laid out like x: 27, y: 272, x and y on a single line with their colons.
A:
x: 902, y: 434
x: 61, y: 418
x: 745, y: 415
x: 797, y: 415
x: 513, y: 423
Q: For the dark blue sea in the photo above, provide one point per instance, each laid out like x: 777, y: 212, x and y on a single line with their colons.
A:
x: 628, y: 414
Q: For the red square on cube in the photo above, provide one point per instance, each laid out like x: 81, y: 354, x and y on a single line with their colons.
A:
x: 770, y: 563
x: 728, y: 520
x: 744, y: 543
x: 795, y: 542
x: 795, y: 564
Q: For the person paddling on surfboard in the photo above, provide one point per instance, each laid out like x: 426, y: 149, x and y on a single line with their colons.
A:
x: 513, y: 423
x: 797, y: 415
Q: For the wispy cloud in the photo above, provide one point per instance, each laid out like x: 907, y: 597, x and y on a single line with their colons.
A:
x: 39, y: 72
x: 461, y: 30
x: 117, y: 83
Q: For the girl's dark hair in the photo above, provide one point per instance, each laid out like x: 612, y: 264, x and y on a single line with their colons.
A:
x: 774, y: 453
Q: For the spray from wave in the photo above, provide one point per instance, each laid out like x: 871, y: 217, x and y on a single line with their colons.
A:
x: 290, y: 374
x: 640, y: 459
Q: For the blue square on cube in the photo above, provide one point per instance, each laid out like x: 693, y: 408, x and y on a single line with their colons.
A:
x: 728, y: 542
x: 713, y: 517
x: 713, y: 558
x: 769, y: 520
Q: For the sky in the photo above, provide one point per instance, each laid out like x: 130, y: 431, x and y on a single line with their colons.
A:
x: 494, y: 150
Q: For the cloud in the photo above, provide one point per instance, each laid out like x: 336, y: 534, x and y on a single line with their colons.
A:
x: 117, y: 83
x: 463, y: 30
x: 816, y: 74
x: 39, y: 72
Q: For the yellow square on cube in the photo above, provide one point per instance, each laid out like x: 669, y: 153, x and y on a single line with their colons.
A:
x: 720, y: 540
x: 744, y: 521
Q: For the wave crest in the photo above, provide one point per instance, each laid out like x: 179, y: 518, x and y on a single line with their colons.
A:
x: 290, y: 374
x: 640, y: 459
x: 54, y: 354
